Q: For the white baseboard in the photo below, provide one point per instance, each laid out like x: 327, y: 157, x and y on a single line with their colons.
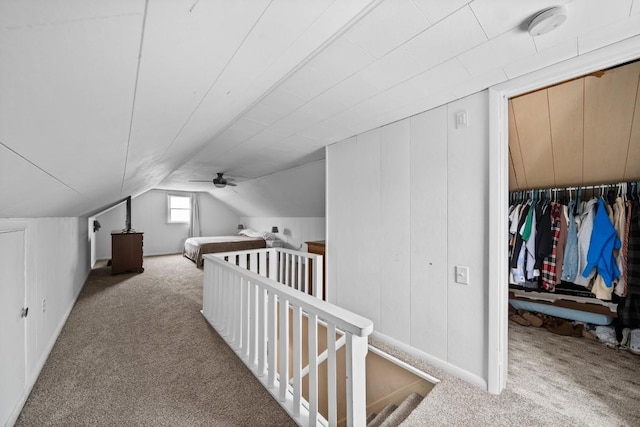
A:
x: 43, y: 358
x: 434, y: 361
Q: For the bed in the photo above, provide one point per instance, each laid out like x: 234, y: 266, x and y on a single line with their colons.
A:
x: 196, y: 247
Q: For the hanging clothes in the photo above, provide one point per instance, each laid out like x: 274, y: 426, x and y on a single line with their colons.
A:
x: 603, y: 241
x: 570, y: 263
x: 629, y: 306
x: 549, y: 264
x: 584, y: 238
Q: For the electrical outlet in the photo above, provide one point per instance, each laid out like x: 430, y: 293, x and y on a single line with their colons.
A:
x: 462, y: 275
x: 44, y: 305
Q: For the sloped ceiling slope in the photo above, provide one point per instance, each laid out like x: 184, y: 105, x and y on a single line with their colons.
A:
x: 104, y: 99
x: 582, y: 132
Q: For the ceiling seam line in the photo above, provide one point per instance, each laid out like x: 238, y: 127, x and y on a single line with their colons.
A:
x: 39, y: 168
x: 135, y: 94
x: 478, y: 21
x: 67, y: 22
x: 206, y: 94
x: 342, y: 31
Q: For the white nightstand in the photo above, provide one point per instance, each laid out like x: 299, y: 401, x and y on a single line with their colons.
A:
x: 275, y: 244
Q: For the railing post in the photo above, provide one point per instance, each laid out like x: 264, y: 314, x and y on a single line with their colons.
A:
x: 332, y: 389
x: 283, y: 362
x: 313, y: 368
x: 356, y: 380
x: 273, y: 264
x: 262, y: 331
x: 297, y: 359
x: 272, y: 334
x: 319, y: 279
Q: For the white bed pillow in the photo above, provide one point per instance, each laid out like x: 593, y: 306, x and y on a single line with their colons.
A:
x: 253, y: 233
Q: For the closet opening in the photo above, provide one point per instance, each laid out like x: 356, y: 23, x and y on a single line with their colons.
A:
x: 573, y: 195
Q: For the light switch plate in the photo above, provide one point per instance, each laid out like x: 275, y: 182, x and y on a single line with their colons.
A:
x: 462, y: 275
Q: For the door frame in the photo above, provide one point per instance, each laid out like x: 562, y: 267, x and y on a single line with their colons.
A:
x: 497, y: 322
x: 11, y: 226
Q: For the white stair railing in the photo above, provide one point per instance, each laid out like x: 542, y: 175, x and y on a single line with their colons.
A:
x: 298, y: 270
x: 261, y: 320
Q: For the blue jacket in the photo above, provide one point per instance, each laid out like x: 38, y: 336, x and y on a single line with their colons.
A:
x: 604, y: 240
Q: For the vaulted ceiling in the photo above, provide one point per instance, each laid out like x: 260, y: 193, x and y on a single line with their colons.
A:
x: 102, y: 99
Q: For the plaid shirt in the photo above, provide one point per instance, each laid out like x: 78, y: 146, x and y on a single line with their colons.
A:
x: 549, y: 268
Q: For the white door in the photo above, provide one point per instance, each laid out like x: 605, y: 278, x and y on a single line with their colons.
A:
x: 12, y: 322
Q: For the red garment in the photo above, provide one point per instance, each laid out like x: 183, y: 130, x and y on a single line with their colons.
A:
x: 549, y: 264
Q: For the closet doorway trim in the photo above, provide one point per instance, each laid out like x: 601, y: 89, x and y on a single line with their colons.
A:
x: 497, y: 321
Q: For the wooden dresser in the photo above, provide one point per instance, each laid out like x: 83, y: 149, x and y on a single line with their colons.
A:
x: 126, y: 252
x: 318, y: 247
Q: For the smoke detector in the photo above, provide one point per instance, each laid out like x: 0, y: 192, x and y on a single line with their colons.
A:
x: 547, y: 21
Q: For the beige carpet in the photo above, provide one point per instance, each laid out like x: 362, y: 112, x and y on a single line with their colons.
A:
x: 137, y: 351
x: 552, y: 381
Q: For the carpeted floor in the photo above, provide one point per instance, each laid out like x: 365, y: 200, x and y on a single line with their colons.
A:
x: 552, y: 380
x: 136, y: 351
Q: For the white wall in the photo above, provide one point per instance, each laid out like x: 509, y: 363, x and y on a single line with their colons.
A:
x: 298, y: 192
x: 149, y: 214
x: 406, y: 203
x: 57, y: 262
x: 293, y: 231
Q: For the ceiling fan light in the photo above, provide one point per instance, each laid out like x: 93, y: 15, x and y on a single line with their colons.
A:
x: 219, y: 184
x: 547, y: 21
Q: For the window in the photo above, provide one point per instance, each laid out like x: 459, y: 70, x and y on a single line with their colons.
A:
x: 179, y: 209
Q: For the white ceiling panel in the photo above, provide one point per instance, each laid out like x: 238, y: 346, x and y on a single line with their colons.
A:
x: 244, y: 86
x: 320, y: 73
x: 185, y: 50
x: 394, y: 68
x: 555, y: 54
x: 609, y: 34
x: 353, y: 90
x: 435, y: 10
x: 456, y: 34
x: 585, y: 16
x: 500, y: 51
x: 435, y: 80
x: 33, y: 13
x: 242, y: 130
x: 285, y: 36
x: 70, y: 98
x: 500, y: 16
x: 388, y: 26
x: 52, y: 197
x: 281, y: 102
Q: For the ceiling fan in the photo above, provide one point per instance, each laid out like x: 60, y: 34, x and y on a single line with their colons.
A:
x: 218, y: 182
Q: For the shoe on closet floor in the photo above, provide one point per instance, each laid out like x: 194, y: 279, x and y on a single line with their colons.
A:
x: 531, y: 318
x: 520, y: 320
x: 626, y: 339
x: 560, y: 327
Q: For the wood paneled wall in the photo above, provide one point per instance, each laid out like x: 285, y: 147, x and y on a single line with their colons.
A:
x: 584, y: 131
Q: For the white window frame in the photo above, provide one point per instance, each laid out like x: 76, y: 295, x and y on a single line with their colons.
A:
x: 170, y: 209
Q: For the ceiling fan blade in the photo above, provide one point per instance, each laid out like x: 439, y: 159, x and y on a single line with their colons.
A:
x: 231, y: 184
x: 199, y: 180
